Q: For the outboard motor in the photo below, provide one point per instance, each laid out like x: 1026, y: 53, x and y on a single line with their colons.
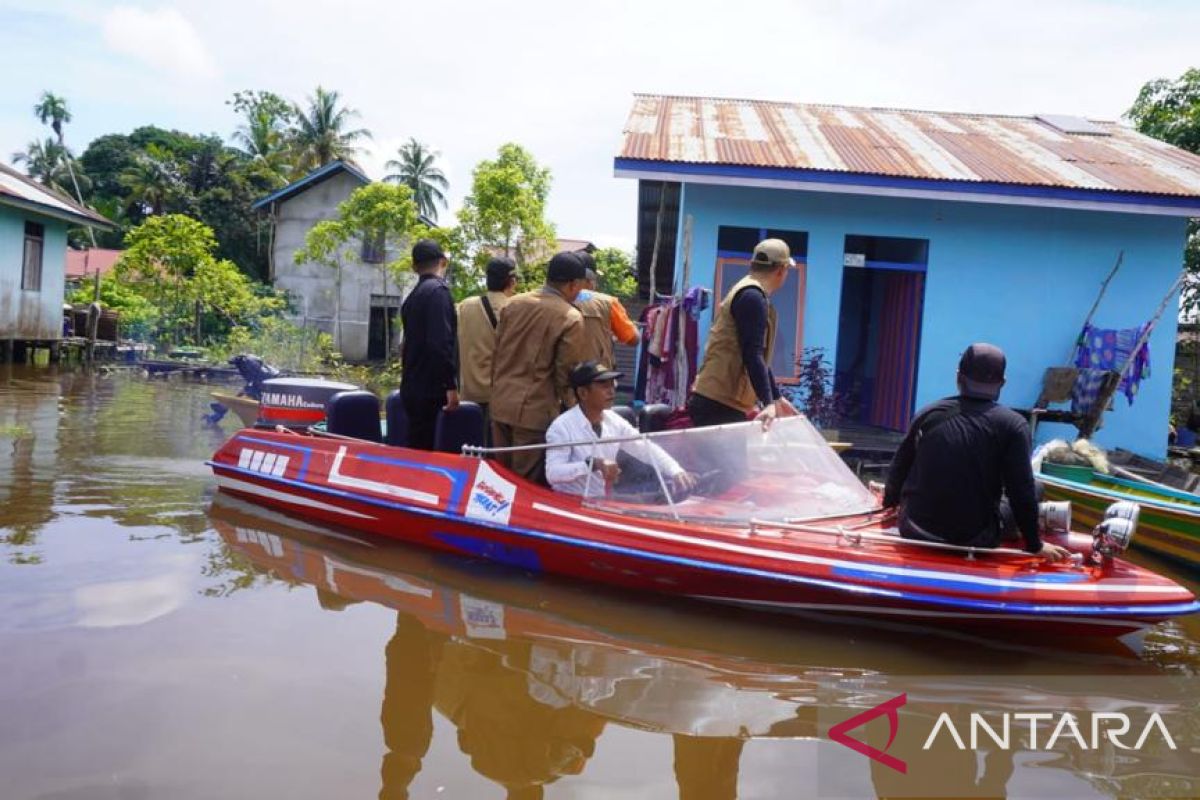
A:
x: 296, y: 402
x: 253, y: 371
x: 1114, y: 533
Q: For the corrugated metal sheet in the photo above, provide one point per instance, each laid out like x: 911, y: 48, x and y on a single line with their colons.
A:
x: 15, y: 185
x: 1027, y: 151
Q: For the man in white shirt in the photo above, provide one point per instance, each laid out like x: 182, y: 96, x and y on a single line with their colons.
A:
x: 570, y: 467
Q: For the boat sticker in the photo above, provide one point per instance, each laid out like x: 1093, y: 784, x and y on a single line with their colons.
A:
x: 262, y: 461
x: 483, y: 619
x: 339, y: 478
x: 491, y: 497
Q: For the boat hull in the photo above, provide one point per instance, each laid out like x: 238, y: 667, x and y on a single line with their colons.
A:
x: 471, y: 507
x: 246, y: 408
x: 1165, y: 527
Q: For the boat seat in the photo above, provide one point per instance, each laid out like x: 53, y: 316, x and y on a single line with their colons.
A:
x: 460, y: 427
x: 354, y: 413
x: 654, y: 417
x: 627, y: 413
x: 397, y: 420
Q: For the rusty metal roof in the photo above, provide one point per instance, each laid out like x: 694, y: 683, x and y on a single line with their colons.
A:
x: 19, y: 190
x: 896, y: 143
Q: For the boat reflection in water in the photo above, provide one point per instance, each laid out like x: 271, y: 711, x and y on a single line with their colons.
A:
x: 531, y: 673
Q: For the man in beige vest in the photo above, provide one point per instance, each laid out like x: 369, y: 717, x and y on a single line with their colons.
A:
x: 735, y: 378
x: 478, y: 318
x: 604, y: 318
x: 539, y: 339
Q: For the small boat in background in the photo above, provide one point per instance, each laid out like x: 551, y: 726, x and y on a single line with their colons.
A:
x: 1169, y: 524
x: 246, y: 408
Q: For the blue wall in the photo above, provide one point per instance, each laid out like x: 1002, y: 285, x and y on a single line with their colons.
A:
x: 29, y: 314
x: 1022, y: 278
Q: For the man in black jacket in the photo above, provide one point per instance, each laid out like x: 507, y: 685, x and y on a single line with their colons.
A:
x: 963, y: 475
x: 429, y: 356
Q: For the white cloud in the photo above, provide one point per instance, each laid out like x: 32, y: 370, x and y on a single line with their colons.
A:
x: 162, y: 38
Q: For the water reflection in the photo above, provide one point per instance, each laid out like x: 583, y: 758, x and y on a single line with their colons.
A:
x: 532, y: 674
x: 76, y: 442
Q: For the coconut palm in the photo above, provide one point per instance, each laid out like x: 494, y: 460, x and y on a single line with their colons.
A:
x: 152, y: 181
x: 52, y: 110
x: 264, y: 134
x: 415, y: 169
x: 48, y: 163
x: 321, y: 133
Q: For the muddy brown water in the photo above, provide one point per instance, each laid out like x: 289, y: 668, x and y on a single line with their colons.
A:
x: 160, y: 640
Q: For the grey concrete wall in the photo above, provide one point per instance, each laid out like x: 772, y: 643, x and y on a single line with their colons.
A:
x: 31, y: 314
x: 313, y: 287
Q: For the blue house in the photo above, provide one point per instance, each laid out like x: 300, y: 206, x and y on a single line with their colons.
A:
x: 33, y: 254
x: 916, y: 233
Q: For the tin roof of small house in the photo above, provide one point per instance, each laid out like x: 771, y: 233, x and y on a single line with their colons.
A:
x: 308, y: 181
x: 92, y: 261
x: 20, y: 191
x: 764, y: 140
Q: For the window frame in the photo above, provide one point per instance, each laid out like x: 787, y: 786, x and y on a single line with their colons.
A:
x: 35, y: 236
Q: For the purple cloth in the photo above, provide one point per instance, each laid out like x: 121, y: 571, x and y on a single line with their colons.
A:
x: 1109, y: 349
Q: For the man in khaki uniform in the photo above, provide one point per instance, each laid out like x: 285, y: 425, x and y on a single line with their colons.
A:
x: 604, y: 318
x: 539, y: 339
x: 735, y: 377
x: 478, y: 318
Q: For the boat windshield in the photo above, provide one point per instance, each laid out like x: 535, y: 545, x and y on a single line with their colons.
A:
x: 734, y: 473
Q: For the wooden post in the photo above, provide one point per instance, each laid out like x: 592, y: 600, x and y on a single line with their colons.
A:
x: 662, y: 204
x: 55, y: 352
x: 8, y: 351
x: 1092, y: 422
x: 1087, y: 320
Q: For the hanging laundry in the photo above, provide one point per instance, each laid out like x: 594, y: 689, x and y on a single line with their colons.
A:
x: 1087, y: 389
x: 665, y: 374
x: 1111, y: 349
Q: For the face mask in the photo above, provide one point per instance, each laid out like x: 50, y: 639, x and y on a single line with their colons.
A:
x: 586, y: 294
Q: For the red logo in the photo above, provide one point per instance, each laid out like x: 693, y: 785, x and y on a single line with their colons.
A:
x: 838, y: 732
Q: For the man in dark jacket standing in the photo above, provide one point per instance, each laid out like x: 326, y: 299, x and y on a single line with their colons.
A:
x: 962, y: 475
x: 429, y: 356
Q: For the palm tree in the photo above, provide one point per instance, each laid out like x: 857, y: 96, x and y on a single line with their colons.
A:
x: 415, y: 169
x: 48, y: 163
x: 321, y: 133
x: 264, y: 135
x: 52, y: 110
x: 152, y: 181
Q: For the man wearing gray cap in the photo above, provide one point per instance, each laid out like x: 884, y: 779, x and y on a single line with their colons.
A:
x: 963, y: 475
x: 539, y: 339
x: 735, y: 377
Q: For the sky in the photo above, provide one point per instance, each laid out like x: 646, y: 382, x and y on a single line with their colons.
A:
x: 558, y: 77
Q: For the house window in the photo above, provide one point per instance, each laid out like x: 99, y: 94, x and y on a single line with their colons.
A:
x: 735, y: 246
x: 31, y: 263
x: 373, y: 251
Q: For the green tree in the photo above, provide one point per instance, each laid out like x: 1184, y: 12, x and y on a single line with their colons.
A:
x: 506, y: 212
x: 151, y: 182
x: 321, y: 132
x: 170, y: 260
x: 52, y: 110
x: 264, y: 132
x: 47, y: 162
x: 416, y: 169
x: 1170, y: 110
x: 139, y: 315
x: 382, y: 214
x: 614, y: 269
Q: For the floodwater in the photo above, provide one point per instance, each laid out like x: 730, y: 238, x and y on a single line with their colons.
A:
x: 157, y: 640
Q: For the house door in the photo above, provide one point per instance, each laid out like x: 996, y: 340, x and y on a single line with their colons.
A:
x: 879, y: 332
x: 385, y: 322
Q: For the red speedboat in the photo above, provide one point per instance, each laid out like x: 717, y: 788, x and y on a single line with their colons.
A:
x: 777, y: 522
